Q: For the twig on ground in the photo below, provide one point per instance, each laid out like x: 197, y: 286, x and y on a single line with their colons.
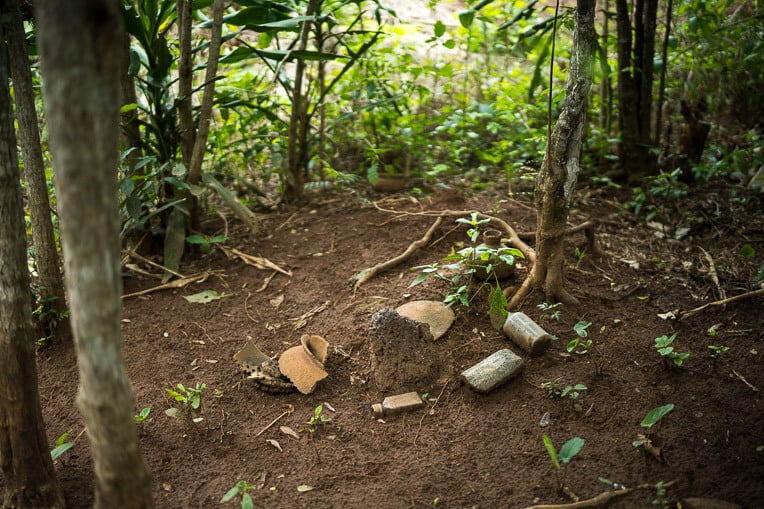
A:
x: 178, y: 283
x: 257, y: 262
x: 742, y: 379
x: 288, y: 411
x: 132, y: 254
x: 367, y: 274
x: 755, y: 293
x: 600, y: 500
x: 712, y: 272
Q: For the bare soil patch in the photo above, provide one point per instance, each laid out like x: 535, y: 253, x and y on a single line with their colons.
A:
x: 463, y: 449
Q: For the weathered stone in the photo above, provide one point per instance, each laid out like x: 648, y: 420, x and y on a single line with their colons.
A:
x: 403, y: 353
x: 493, y: 371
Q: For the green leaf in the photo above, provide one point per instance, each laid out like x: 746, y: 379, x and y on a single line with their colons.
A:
x: 128, y: 107
x: 580, y: 329
x: 197, y: 239
x: 439, y: 29
x: 466, y: 17
x: 570, y: 448
x: 230, y: 494
x: 655, y: 415
x: 246, y: 501
x: 61, y: 449
x: 203, y: 297
x: 551, y: 450
x: 498, y: 307
x: 747, y: 251
x: 419, y: 279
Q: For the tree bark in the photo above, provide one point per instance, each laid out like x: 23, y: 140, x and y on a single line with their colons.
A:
x: 559, y: 172
x: 25, y: 463
x: 46, y: 253
x: 185, y: 78
x: 80, y: 43
x: 635, y: 85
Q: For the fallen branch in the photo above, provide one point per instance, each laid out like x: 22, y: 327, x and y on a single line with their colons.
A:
x: 722, y: 302
x: 255, y: 261
x: 514, y: 239
x: 742, y: 379
x: 130, y: 253
x: 600, y: 500
x: 713, y: 274
x: 288, y: 411
x: 178, y: 283
x: 367, y: 274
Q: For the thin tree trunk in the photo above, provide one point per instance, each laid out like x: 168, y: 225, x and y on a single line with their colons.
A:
x: 662, y: 82
x: 25, y: 463
x: 80, y: 43
x: 557, y: 179
x: 46, y: 253
x: 205, y: 112
x: 185, y: 78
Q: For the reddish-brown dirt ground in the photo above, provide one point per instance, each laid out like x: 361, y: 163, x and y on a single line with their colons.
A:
x: 465, y: 449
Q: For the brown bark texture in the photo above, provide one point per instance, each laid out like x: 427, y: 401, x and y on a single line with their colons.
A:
x: 25, y: 463
x: 557, y: 179
x: 46, y: 253
x: 80, y: 43
x: 636, y: 51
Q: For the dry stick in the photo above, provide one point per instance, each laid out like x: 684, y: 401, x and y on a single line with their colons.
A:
x: 286, y: 412
x: 713, y: 274
x: 723, y: 302
x: 514, y: 239
x: 367, y: 274
x: 598, y: 501
x: 742, y: 379
x: 132, y: 254
x: 178, y: 283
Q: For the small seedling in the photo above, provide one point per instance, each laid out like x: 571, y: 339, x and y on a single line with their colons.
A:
x: 206, y: 243
x: 189, y: 400
x: 61, y: 445
x: 650, y: 420
x: 318, y: 419
x: 143, y: 415
x: 664, y: 346
x: 717, y: 350
x: 550, y: 311
x: 566, y: 453
x: 660, y: 499
x: 582, y: 344
x: 572, y: 391
x: 241, y: 489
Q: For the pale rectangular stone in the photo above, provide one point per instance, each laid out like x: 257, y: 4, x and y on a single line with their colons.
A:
x: 493, y: 371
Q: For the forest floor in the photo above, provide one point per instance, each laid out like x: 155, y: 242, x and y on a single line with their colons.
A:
x: 463, y: 449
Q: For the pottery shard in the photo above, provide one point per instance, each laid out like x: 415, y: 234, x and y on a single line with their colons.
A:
x: 436, y: 314
x: 403, y: 353
x: 304, y: 364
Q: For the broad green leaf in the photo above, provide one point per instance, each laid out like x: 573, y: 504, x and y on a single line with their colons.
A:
x: 498, y: 310
x: 655, y: 415
x: 61, y: 449
x: 747, y: 251
x: 570, y: 448
x: 247, y: 502
x: 203, y: 297
x: 551, y: 450
x: 230, y: 494
x: 466, y: 17
x: 581, y: 329
x: 439, y: 29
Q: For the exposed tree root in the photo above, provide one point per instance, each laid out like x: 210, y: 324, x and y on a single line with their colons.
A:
x: 369, y: 273
x: 723, y: 302
x: 600, y: 500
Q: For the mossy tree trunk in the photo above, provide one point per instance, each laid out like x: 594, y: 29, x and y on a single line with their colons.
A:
x: 46, y: 253
x: 25, y: 463
x: 557, y: 179
x: 80, y: 44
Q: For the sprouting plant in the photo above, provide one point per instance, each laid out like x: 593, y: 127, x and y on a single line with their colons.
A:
x: 551, y: 309
x: 717, y: 350
x: 189, y: 400
x: 650, y: 420
x: 143, y: 415
x: 241, y: 489
x: 566, y: 453
x: 555, y: 389
x: 582, y: 344
x: 474, y: 225
x: 580, y: 254
x: 61, y: 445
x: 664, y: 346
x: 660, y: 499
x: 205, y: 242
x: 317, y: 419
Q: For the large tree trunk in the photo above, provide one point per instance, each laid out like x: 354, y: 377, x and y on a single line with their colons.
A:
x: 635, y: 85
x: 80, y: 43
x: 46, y: 254
x: 30, y: 481
x: 557, y: 179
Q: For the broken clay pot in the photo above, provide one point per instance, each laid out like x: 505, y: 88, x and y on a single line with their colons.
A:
x: 304, y: 364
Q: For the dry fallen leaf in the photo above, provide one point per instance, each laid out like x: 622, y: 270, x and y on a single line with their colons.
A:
x: 329, y: 407
x: 304, y: 487
x: 275, y: 444
x: 276, y: 302
x: 289, y: 431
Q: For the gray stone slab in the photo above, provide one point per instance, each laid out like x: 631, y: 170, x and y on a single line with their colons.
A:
x: 493, y: 371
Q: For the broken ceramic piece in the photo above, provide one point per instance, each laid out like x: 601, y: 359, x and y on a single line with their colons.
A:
x: 304, y: 364
x: 434, y: 313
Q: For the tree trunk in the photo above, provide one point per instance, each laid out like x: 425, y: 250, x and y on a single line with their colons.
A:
x: 635, y: 85
x: 46, y: 254
x: 185, y: 79
x: 30, y: 480
x: 557, y: 179
x: 80, y: 43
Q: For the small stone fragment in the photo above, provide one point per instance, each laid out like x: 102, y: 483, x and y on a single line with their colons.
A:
x: 493, y: 371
